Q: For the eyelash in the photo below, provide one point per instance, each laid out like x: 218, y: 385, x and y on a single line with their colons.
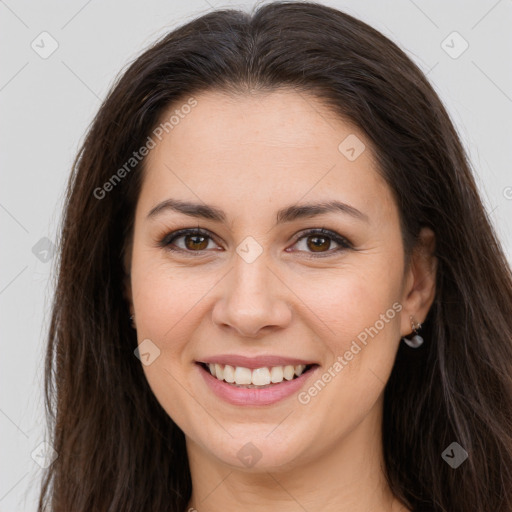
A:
x: 167, y: 240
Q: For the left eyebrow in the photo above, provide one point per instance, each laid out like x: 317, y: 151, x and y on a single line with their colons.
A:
x: 301, y: 211
x: 288, y: 214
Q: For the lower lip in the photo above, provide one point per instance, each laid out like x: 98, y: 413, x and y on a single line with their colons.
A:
x: 254, y: 396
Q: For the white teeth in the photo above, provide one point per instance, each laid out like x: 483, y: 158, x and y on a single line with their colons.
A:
x: 229, y: 374
x: 289, y: 372
x: 264, y: 376
x: 219, y: 371
x: 299, y: 369
x: 243, y: 375
x: 261, y: 376
x: 276, y: 374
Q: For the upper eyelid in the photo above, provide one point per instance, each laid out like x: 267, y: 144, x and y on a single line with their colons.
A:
x: 179, y: 233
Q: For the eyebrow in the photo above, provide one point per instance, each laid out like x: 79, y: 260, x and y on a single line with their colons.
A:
x: 288, y: 214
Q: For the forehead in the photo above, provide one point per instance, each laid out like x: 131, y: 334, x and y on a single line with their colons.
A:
x: 254, y: 149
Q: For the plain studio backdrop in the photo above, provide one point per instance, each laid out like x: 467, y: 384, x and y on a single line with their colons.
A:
x: 58, y: 60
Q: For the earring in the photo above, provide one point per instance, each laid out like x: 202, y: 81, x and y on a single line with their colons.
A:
x: 416, y: 340
x: 132, y: 317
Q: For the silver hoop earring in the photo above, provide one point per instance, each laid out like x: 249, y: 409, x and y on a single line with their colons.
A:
x: 416, y: 340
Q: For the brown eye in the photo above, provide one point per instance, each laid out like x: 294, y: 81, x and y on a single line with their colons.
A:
x: 194, y: 240
x: 320, y: 241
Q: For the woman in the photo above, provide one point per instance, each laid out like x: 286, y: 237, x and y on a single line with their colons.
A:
x: 278, y: 287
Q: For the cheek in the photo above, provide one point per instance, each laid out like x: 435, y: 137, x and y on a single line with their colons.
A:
x: 358, y: 317
x: 166, y: 298
x: 166, y: 305
x: 357, y: 320
x: 346, y: 302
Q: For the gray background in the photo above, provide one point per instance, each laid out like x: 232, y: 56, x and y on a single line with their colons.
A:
x: 47, y: 104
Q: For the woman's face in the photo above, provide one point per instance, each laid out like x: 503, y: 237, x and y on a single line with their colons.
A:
x: 256, y: 291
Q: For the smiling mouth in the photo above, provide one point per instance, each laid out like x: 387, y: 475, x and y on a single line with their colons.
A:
x: 261, y: 378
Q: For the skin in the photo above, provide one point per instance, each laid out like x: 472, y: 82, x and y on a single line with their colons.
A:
x: 251, y: 155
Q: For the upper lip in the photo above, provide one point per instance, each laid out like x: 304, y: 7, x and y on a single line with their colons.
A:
x: 254, y: 362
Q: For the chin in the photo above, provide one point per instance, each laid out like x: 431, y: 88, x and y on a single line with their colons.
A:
x: 253, y: 449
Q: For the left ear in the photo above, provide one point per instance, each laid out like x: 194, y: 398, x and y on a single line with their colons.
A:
x: 420, y: 281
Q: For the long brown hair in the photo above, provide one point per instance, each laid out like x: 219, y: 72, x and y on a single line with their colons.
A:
x: 118, y: 450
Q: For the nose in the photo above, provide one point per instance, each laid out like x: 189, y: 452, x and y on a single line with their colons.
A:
x: 252, y: 300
